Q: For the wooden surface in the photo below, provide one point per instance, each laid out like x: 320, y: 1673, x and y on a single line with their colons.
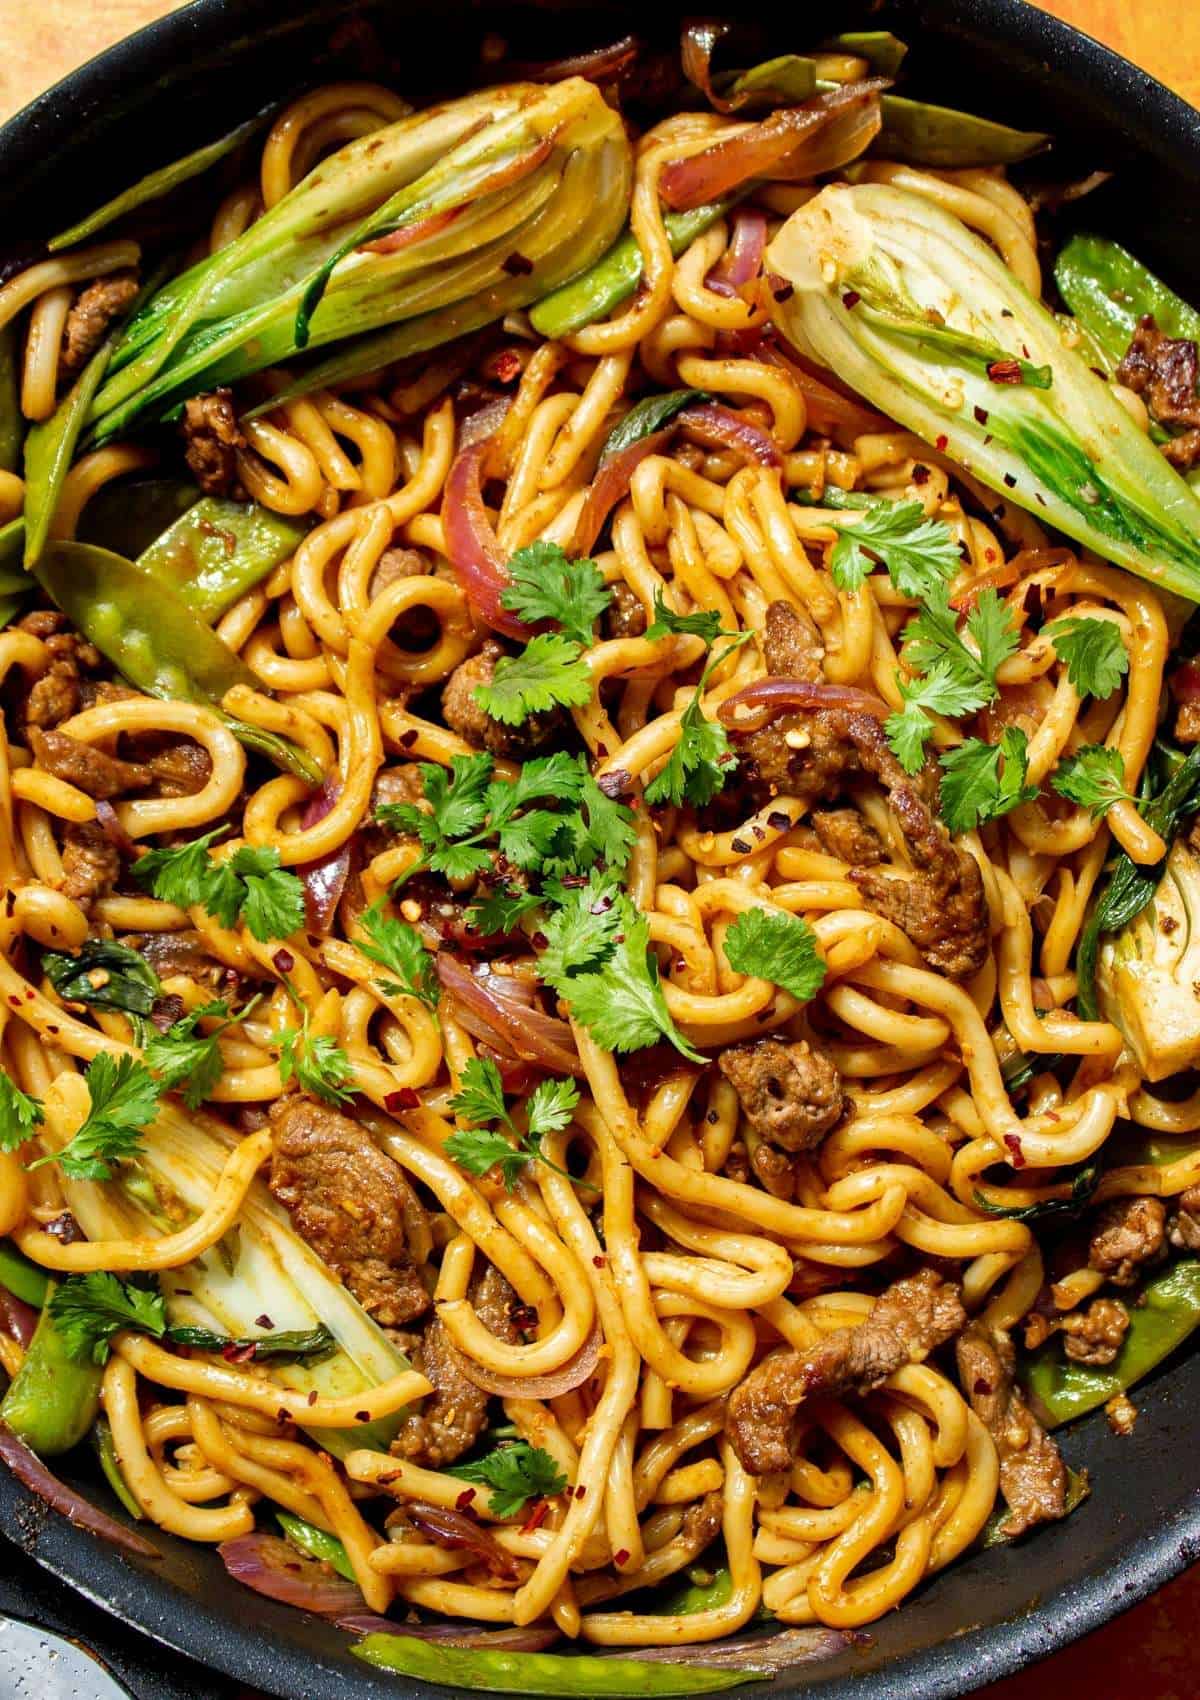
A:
x: 1149, y: 1654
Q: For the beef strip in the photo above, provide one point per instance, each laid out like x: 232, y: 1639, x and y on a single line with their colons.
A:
x: 91, y: 863
x: 845, y: 834
x: 910, y: 1318
x: 811, y: 754
x: 463, y: 714
x: 1163, y: 370
x: 1094, y: 1335
x: 791, y: 1094
x: 775, y: 1169
x: 178, y: 765
x: 1129, y: 1233
x: 452, y: 1418
x: 58, y: 693
x: 1033, y: 1478
x: 1183, y: 1225
x: 625, y: 616
x: 351, y: 1203
x: 85, y: 766
x: 95, y: 309
x: 212, y: 438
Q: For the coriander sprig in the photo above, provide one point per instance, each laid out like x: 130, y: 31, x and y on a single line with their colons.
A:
x: 951, y: 677
x: 1093, y: 652
x: 699, y: 765
x: 480, y: 1100
x: 123, y: 1097
x: 776, y: 947
x: 982, y: 781
x: 920, y: 554
x: 184, y: 1056
x: 1094, y: 777
x: 250, y: 885
x: 515, y: 1474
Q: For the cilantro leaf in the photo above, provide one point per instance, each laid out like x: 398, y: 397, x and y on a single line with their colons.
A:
x: 124, y: 1097
x: 480, y: 1097
x: 250, y: 884
x: 180, y: 875
x: 920, y: 554
x: 317, y: 1064
x: 990, y: 623
x: 1094, y: 653
x: 560, y: 775
x: 272, y: 903
x: 952, y: 678
x: 502, y: 910
x: 621, y: 1001
x: 478, y: 1150
x: 776, y: 947
x: 530, y: 838
x: 1094, y: 777
x: 699, y: 764
x: 19, y: 1114
x: 581, y: 932
x: 908, y: 731
x: 396, y: 946
x: 458, y: 799
x: 550, y: 1106
x: 611, y: 829
x: 547, y: 586
x: 702, y: 623
x: 183, y: 1055
x: 515, y: 1474
x: 982, y: 781
x: 89, y: 1309
x: 547, y: 674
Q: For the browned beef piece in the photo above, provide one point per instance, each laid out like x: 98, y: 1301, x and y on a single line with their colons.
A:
x: 775, y: 1169
x: 95, y: 309
x: 463, y: 714
x: 625, y: 617
x: 791, y: 1094
x: 178, y: 953
x: 452, y: 1418
x: 1183, y: 1225
x: 1033, y: 1478
x: 1129, y: 1233
x: 398, y: 785
x: 1094, y: 1336
x: 791, y: 644
x: 397, y: 563
x: 91, y: 863
x: 211, y: 441
x: 178, y: 765
x: 845, y: 834
x: 80, y: 764
x: 910, y: 1319
x: 351, y: 1203
x: 1163, y: 371
x: 56, y: 695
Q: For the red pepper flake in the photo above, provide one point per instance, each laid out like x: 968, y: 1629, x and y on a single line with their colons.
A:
x: 464, y: 1499
x: 1014, y: 1146
x: 778, y: 821
x: 505, y: 366
x: 52, y: 1027
x: 282, y: 1417
x: 1010, y: 480
x: 313, y: 1396
x: 284, y: 961
x: 404, y: 1098
x: 981, y: 416
x: 982, y: 1386
x: 621, y: 1557
x: 780, y: 288
x: 941, y: 444
x: 600, y: 1262
x: 580, y: 1491
x: 235, y: 1354
x: 851, y: 299
x: 263, y: 1321
x: 409, y: 738
x: 516, y: 265
x: 740, y: 845
x: 362, y: 1416
x: 536, y: 1517
x: 1005, y: 372
x: 539, y: 941
x: 920, y: 474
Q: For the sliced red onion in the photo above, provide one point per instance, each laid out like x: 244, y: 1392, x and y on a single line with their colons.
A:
x: 854, y: 122
x: 742, y: 260
x: 106, y: 820
x: 471, y: 543
x: 458, y: 1532
x: 727, y: 164
x: 831, y: 411
x: 28, y: 1468
x: 611, y: 484
x: 754, y: 1652
x: 768, y: 697
x: 531, y: 1640
x: 716, y: 427
x: 506, y: 174
x: 485, y: 422
x: 325, y: 879
x: 17, y: 1319
x: 1185, y: 682
x: 509, y: 1015
x: 574, y: 1373
x: 271, y: 1566
x: 597, y: 66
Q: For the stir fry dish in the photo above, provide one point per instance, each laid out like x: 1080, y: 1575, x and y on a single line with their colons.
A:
x: 600, y: 827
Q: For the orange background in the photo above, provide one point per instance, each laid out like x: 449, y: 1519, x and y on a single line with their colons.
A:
x: 1150, y: 1653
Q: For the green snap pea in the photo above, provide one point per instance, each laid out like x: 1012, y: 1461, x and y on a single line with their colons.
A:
x: 53, y: 1401
x: 645, y: 418
x: 490, y: 1671
x: 307, y: 1538
x: 127, y: 516
x: 50, y: 448
x: 22, y: 1278
x: 917, y: 133
x: 218, y: 550
x: 12, y: 424
x: 1108, y: 291
x: 883, y: 51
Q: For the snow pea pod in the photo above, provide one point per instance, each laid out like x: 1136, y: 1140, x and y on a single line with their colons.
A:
x: 307, y: 1538
x: 614, y: 278
x: 157, y: 183
x: 53, y: 1400
x: 692, y: 1597
x: 50, y: 448
x: 218, y: 550
x: 489, y: 1671
x: 22, y: 1278
x: 127, y: 516
x: 1108, y: 291
x: 12, y: 427
x: 106, y: 1451
x: 920, y: 134
x: 883, y: 51
x: 1165, y: 1311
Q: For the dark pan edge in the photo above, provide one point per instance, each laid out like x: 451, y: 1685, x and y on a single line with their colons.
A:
x: 1158, y: 122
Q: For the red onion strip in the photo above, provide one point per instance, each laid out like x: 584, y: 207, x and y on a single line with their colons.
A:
x: 325, y: 879
x: 471, y: 543
x: 611, y: 484
x: 743, y: 259
x: 29, y: 1470
x: 271, y: 1566
x: 753, y: 707
x: 513, y: 1020
x: 855, y: 121
x: 17, y: 1319
x: 717, y: 428
x: 106, y: 820
x: 573, y: 1374
x: 460, y: 1533
x: 754, y: 1652
x: 594, y: 67
x: 752, y: 152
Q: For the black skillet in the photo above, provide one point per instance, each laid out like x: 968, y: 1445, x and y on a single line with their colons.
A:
x: 189, y: 78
